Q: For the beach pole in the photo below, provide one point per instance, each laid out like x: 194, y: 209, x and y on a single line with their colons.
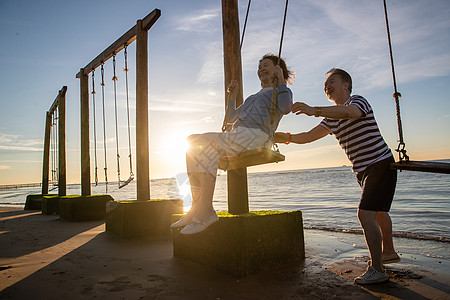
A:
x: 236, y: 179
x: 85, y: 158
x: 62, y: 142
x: 142, y: 139
x: 46, y: 157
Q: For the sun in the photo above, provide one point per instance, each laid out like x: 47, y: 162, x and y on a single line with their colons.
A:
x: 174, y: 147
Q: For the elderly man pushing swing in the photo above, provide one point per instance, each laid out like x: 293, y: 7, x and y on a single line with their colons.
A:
x: 353, y: 124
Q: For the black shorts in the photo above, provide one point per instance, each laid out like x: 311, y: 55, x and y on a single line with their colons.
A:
x: 378, y: 186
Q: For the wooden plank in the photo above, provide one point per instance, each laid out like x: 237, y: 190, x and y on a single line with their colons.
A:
x: 126, y: 39
x: 142, y: 138
x: 250, y: 158
x: 84, y: 133
x: 62, y: 186
x: 46, y: 157
x: 56, y: 101
x: 237, y: 178
x: 423, y: 166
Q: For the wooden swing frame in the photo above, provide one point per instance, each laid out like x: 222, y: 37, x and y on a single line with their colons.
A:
x: 139, y: 34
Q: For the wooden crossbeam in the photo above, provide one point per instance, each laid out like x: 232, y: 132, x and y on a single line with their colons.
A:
x: 126, y: 39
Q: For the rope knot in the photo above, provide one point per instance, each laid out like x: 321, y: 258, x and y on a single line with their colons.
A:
x: 397, y: 95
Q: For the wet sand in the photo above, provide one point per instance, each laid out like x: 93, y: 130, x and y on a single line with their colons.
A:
x: 42, y: 257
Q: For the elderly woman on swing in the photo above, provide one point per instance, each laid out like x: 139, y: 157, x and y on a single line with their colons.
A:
x: 251, y: 130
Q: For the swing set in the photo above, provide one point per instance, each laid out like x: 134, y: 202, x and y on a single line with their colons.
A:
x: 404, y: 163
x: 121, y: 184
x: 54, y: 155
x: 139, y: 34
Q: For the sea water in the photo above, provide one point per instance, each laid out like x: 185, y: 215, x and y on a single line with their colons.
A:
x: 328, y: 198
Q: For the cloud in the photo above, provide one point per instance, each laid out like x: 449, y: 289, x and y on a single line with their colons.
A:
x: 3, y: 167
x: 200, y: 22
x: 14, y: 142
x: 193, y: 100
x: 324, y: 34
x: 19, y: 148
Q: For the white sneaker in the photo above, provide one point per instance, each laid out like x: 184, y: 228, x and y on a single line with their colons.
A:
x: 198, y: 226
x: 371, y: 276
x: 185, y: 220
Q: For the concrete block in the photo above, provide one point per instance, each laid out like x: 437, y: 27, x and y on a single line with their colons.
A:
x: 50, y: 205
x: 34, y: 201
x: 241, y: 245
x: 134, y: 219
x: 76, y: 208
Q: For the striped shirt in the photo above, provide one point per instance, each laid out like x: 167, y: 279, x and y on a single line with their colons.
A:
x: 360, y: 138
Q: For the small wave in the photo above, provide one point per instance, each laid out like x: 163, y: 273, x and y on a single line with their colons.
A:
x: 401, y: 234
x: 417, y: 236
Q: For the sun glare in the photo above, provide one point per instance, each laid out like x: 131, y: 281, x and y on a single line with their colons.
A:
x: 175, y: 146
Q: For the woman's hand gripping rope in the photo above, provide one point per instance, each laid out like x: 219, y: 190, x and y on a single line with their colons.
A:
x: 232, y: 90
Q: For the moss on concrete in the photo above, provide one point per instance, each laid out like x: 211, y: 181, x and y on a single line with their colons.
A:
x: 76, y: 208
x: 34, y: 201
x: 134, y: 219
x: 50, y: 204
x: 243, y: 244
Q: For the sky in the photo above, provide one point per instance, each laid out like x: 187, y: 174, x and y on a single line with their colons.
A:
x: 45, y: 43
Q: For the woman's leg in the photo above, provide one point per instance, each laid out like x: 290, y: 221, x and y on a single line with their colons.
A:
x: 207, y: 185
x: 205, y: 214
x: 196, y: 192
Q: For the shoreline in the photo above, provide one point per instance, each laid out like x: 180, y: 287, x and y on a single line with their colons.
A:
x: 44, y: 257
x: 396, y: 234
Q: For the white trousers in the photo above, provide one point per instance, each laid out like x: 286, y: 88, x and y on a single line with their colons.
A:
x: 206, y: 149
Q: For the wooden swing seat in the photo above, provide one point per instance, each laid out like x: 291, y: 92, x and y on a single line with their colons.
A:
x: 126, y: 182
x: 250, y: 158
x: 422, y: 166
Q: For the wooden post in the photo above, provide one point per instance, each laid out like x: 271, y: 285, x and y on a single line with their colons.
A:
x: 142, y: 139
x: 85, y: 158
x: 46, y: 157
x: 236, y: 179
x: 62, y: 142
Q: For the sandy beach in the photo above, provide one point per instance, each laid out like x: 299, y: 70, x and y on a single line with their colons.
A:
x: 43, y: 257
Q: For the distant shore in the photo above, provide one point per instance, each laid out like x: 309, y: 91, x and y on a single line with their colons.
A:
x: 42, y: 257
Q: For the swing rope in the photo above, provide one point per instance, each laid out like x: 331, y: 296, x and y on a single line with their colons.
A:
x: 104, y: 124
x: 114, y: 79
x: 401, y: 146
x: 275, y: 80
x: 275, y: 84
x: 128, y: 111
x: 95, y: 129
